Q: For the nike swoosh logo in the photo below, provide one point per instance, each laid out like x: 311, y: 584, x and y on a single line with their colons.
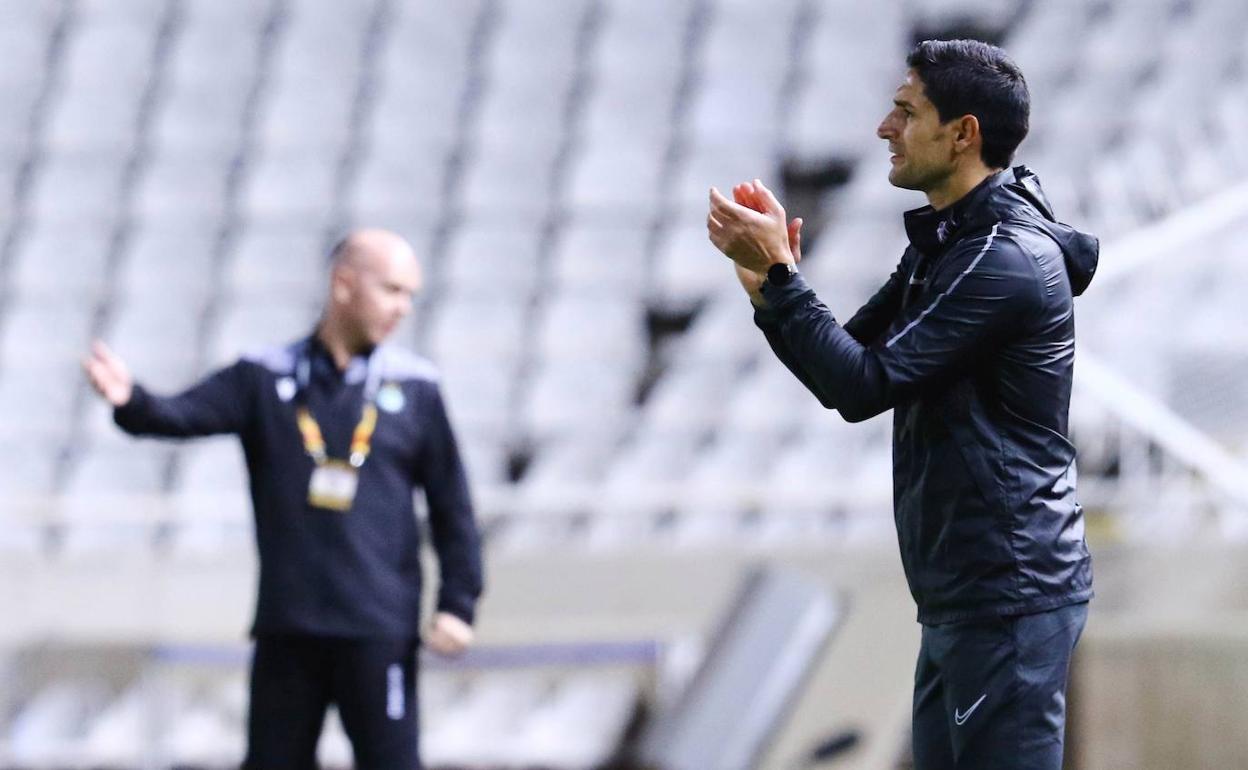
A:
x: 960, y: 719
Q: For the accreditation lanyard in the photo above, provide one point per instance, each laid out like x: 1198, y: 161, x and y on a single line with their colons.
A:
x: 333, y: 483
x: 313, y: 439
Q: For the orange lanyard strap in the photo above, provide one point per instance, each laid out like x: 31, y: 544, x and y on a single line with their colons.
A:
x: 362, y: 441
x: 313, y: 441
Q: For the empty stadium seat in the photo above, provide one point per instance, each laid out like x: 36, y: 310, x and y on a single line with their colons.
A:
x: 493, y: 262
x: 106, y: 73
x: 26, y: 47
x: 276, y: 263
x: 171, y: 175
x: 254, y: 326
x: 292, y: 187
x: 593, y: 259
x: 608, y: 180
x: 118, y: 734
x: 168, y: 261
x: 183, y: 189
x: 158, y: 341
x: 401, y: 185
x: 49, y: 728
x: 78, y: 188
x: 58, y: 263
x: 688, y: 270
x: 24, y: 337
x: 562, y: 397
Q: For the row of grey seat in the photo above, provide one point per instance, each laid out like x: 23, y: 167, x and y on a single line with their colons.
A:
x: 177, y: 170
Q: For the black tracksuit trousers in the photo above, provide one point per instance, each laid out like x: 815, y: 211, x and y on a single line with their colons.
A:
x: 991, y: 694
x: 295, y: 678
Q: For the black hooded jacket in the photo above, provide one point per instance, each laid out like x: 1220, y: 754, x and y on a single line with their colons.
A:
x: 971, y: 342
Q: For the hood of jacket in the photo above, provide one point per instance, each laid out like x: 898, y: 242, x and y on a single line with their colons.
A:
x: 1010, y: 194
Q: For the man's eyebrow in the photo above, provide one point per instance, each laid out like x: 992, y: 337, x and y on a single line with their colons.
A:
x: 903, y: 103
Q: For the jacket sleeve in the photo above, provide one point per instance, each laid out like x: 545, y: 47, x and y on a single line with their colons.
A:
x: 220, y: 403
x: 452, y: 522
x: 867, y: 324
x: 874, y: 318
x: 981, y: 292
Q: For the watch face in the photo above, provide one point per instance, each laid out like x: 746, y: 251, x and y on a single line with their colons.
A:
x: 780, y: 273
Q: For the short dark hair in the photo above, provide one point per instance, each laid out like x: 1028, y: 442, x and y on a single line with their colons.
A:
x: 969, y: 77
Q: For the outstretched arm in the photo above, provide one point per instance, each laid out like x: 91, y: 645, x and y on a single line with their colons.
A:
x: 218, y: 404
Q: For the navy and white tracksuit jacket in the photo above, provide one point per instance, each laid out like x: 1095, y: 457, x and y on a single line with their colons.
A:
x: 354, y: 574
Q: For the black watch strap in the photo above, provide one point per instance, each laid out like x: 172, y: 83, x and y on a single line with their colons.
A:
x: 781, y: 273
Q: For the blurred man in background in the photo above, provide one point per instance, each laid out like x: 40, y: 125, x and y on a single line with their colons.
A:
x: 338, y: 430
x: 971, y: 343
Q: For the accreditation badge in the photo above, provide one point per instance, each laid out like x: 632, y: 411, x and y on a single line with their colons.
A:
x: 333, y: 485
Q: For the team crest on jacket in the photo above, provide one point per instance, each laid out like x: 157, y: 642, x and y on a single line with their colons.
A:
x: 286, y: 388
x: 390, y: 398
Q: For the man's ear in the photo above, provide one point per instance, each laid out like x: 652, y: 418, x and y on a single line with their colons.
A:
x: 340, y: 284
x: 966, y: 135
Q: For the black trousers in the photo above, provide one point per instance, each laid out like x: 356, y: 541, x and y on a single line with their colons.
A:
x: 295, y: 678
x: 992, y: 693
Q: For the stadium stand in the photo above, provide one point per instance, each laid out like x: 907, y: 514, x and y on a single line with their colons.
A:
x: 173, y: 171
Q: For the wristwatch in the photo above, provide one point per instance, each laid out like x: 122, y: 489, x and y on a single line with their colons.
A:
x: 781, y: 273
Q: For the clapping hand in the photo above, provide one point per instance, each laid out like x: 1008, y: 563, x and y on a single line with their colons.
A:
x: 751, y: 230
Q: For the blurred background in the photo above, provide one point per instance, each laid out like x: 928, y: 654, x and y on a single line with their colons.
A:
x: 681, y: 544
